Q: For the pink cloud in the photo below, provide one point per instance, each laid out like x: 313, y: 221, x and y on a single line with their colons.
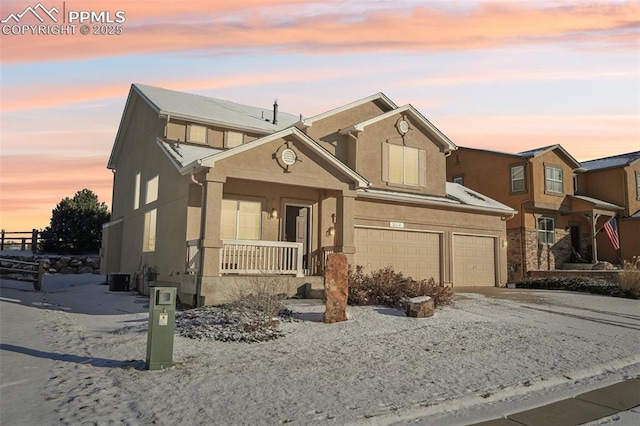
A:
x: 167, y: 27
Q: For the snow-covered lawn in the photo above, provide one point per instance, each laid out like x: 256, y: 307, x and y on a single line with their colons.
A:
x: 479, y: 357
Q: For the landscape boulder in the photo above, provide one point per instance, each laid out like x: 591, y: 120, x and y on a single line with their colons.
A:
x: 336, y: 288
x: 420, y: 307
x: 602, y: 266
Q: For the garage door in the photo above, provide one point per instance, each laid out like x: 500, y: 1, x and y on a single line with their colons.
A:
x: 415, y: 254
x: 473, y: 261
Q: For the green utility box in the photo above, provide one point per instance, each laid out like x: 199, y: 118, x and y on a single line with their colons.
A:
x: 162, y: 323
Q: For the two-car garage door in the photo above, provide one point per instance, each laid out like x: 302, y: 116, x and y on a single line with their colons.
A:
x: 419, y: 255
x: 415, y: 254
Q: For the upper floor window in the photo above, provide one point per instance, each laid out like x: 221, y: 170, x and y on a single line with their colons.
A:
x: 196, y: 133
x: 517, y: 178
x: 553, y: 179
x: 575, y: 183
x: 459, y: 180
x: 136, y: 193
x: 404, y: 165
x: 241, y: 220
x: 546, y: 230
x: 149, y: 238
x: 638, y: 185
x: 233, y: 139
x: 151, y: 194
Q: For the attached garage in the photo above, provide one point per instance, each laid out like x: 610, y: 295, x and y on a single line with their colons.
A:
x: 416, y: 254
x: 474, y: 260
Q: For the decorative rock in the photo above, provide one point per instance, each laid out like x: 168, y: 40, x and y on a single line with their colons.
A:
x: 60, y: 264
x: 68, y: 270
x: 420, y: 307
x: 336, y: 288
x: 85, y: 270
x: 53, y: 271
x: 602, y: 266
x: 75, y: 263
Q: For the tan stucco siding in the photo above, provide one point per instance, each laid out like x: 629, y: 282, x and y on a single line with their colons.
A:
x: 540, y: 195
x: 370, y: 163
x: 326, y: 131
x: 615, y: 185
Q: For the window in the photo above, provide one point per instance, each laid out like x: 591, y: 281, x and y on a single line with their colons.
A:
x: 151, y: 194
x: 233, y: 139
x: 553, y: 179
x: 638, y: 185
x: 149, y: 241
x: 241, y: 220
x: 575, y: 183
x: 546, y: 230
x: 404, y: 165
x: 136, y: 191
x: 459, y: 180
x: 517, y: 178
x: 197, y: 134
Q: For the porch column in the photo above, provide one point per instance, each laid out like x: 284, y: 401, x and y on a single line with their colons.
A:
x: 593, y: 219
x: 345, y: 224
x: 210, y: 241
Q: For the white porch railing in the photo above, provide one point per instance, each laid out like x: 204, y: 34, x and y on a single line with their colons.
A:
x: 261, y: 257
x: 193, y: 256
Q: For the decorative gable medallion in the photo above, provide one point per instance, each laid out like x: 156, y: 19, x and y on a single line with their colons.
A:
x: 286, y: 157
x: 403, y: 126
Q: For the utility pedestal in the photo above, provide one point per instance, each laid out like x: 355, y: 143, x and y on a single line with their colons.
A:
x: 162, y: 319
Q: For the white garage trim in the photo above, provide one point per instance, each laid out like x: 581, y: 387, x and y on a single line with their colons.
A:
x: 440, y: 245
x: 495, y: 252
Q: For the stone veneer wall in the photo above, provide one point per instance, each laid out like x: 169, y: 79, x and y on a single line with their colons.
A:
x: 514, y: 255
x: 544, y: 256
x: 58, y: 264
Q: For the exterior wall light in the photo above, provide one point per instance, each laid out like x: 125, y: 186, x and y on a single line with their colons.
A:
x: 331, y: 231
x: 273, y: 214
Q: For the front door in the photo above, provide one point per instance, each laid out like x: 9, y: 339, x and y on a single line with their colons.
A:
x: 296, y: 229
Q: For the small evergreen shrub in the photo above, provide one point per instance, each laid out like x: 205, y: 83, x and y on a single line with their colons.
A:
x: 581, y: 284
x: 390, y: 288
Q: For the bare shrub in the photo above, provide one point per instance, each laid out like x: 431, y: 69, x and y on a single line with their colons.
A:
x: 262, y: 300
x: 390, y: 288
x: 630, y: 276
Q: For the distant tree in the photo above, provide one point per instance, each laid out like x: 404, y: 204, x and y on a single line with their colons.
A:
x: 76, y: 225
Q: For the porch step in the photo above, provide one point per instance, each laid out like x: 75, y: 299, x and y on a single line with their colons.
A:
x: 314, y: 288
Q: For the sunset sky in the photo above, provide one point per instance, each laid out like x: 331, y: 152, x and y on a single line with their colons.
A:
x: 504, y: 75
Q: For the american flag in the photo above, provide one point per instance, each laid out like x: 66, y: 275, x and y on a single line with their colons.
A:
x: 611, y: 228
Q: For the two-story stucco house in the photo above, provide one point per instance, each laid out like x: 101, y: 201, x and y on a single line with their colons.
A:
x: 554, y: 225
x: 616, y: 179
x: 208, y: 192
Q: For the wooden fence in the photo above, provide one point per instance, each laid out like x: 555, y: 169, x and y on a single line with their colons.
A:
x: 34, y: 270
x: 20, y: 240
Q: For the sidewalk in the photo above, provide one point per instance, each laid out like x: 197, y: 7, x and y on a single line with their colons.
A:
x: 619, y: 402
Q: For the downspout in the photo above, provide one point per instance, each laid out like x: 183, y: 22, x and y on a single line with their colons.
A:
x: 203, y: 199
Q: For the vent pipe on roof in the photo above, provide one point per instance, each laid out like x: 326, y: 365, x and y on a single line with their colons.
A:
x: 275, y: 112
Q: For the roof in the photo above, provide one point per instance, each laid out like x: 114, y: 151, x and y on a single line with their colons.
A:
x: 208, y: 110
x: 307, y: 122
x: 189, y: 159
x: 530, y: 153
x: 598, y: 203
x: 620, y: 160
x: 457, y: 196
x: 409, y: 110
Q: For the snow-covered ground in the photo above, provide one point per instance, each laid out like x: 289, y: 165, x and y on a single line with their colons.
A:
x: 481, y: 357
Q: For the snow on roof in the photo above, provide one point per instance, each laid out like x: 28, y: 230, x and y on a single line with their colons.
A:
x: 470, y: 197
x: 535, y: 151
x: 376, y: 96
x: 183, y: 155
x: 216, y: 111
x: 620, y: 160
x: 598, y: 203
x: 457, y: 195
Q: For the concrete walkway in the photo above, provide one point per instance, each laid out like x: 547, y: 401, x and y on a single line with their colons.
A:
x: 619, y: 402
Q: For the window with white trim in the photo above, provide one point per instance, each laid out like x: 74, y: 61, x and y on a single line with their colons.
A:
x: 459, y: 180
x: 151, y: 194
x: 241, y: 220
x: 149, y: 240
x: 553, y: 179
x: 233, y: 139
x: 517, y: 178
x: 197, y: 133
x: 136, y: 193
x: 546, y: 230
x: 404, y: 165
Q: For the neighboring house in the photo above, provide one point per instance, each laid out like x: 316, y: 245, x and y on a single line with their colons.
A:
x: 616, y: 179
x: 554, y: 226
x: 209, y: 192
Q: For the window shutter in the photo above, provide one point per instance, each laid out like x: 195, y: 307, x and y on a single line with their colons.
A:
x: 385, y: 162
x: 422, y: 168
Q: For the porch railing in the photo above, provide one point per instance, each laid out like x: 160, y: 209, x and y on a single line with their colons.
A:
x: 261, y: 257
x: 193, y: 256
